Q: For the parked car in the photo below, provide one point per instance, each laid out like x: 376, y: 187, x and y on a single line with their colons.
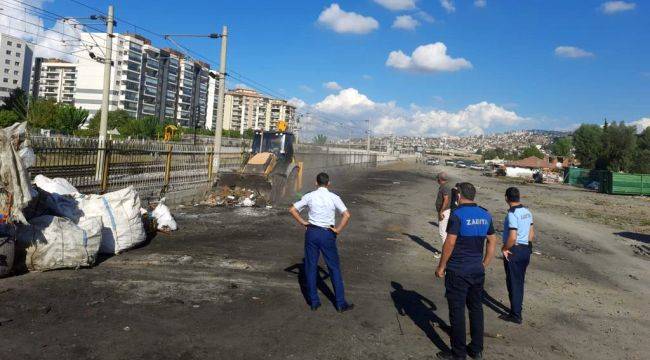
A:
x: 450, y: 162
x: 460, y: 164
x: 433, y: 161
x: 476, y: 167
x: 489, y: 170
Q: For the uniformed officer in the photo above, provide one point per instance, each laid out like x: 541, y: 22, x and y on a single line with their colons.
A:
x: 320, y: 237
x: 518, y: 235
x: 463, y: 266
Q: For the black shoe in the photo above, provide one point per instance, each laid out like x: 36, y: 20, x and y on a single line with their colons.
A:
x: 345, y: 308
x: 446, y: 355
x: 314, y: 307
x: 474, y: 355
x: 511, y: 318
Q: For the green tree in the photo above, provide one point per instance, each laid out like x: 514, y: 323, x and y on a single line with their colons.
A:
x: 644, y: 139
x: 145, y: 128
x: 588, y: 144
x: 7, y: 118
x: 116, y: 119
x: 532, y: 151
x: 69, y: 118
x: 619, y: 146
x: 16, y: 102
x: 42, y: 114
x: 562, y: 146
x: 249, y: 133
x: 320, y: 139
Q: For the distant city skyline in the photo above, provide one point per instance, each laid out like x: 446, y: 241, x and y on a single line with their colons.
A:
x: 413, y: 67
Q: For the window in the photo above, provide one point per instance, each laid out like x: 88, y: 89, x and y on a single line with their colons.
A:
x: 7, y: 62
x: 17, y: 63
x: 17, y: 54
x: 9, y: 43
x: 19, y: 45
x: 15, y: 81
x: 5, y: 80
x: 16, y: 72
x: 6, y: 71
x: 8, y: 52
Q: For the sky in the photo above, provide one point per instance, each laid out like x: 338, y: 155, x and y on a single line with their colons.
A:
x: 413, y: 67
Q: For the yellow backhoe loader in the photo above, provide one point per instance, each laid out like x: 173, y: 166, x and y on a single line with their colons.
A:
x: 270, y: 167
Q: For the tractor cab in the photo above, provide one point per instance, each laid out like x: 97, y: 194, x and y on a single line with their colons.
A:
x: 279, y: 144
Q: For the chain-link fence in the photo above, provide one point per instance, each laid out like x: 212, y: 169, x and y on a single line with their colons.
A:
x: 155, y: 167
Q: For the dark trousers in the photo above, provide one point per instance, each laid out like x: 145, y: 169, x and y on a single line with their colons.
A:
x: 461, y: 291
x: 320, y: 240
x: 515, y: 268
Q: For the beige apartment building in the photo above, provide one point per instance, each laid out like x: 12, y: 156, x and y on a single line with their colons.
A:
x: 248, y: 109
x: 54, y: 79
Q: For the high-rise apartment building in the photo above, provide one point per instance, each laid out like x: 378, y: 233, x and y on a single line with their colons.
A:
x: 248, y: 109
x: 15, y: 64
x: 54, y: 79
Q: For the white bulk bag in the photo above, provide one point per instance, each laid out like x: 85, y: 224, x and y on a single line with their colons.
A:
x: 120, y: 213
x: 52, y: 242
x: 55, y: 186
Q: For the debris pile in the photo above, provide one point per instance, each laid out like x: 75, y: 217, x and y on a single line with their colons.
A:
x: 235, y: 196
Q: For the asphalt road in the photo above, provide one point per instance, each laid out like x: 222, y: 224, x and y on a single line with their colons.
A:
x: 227, y: 286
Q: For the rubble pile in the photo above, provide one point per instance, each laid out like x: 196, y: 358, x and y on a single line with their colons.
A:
x: 235, y: 196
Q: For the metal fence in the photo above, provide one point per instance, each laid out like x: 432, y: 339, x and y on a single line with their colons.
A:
x: 154, y: 167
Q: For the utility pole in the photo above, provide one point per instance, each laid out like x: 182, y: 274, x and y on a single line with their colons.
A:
x: 103, y: 125
x: 368, y: 138
x: 218, y: 126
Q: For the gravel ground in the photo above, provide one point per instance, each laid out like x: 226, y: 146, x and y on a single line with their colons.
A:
x: 227, y: 284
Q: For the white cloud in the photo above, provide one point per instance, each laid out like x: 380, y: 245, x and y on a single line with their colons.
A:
x: 332, y: 85
x: 572, y: 52
x: 641, y: 124
x: 405, y: 22
x: 18, y: 19
x: 347, y: 102
x: 349, y: 106
x: 427, y: 58
x: 424, y: 16
x: 306, y: 88
x: 343, y: 22
x: 297, y: 102
x: 448, y: 5
x: 397, y: 4
x: 366, y: 77
x: 613, y: 7
x: 480, y: 3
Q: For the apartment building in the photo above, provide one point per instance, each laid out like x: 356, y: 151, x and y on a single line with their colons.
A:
x: 15, y: 64
x: 248, y: 109
x: 54, y: 79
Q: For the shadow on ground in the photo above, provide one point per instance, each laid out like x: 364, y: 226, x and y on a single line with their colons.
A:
x: 299, y: 269
x: 421, y: 311
x: 644, y: 238
x: 422, y: 243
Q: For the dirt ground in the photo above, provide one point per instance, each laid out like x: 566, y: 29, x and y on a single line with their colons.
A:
x: 227, y: 284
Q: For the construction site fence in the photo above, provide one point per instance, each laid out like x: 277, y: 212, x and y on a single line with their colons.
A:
x: 155, y: 168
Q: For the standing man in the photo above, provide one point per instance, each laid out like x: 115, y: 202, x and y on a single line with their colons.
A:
x: 518, y: 235
x: 320, y: 237
x: 463, y: 267
x: 443, y: 202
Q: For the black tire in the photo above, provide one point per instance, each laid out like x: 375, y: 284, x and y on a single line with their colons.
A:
x: 278, y: 183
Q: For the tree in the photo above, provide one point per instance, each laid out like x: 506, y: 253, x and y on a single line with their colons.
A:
x: 532, y: 151
x: 562, y: 146
x: 145, y: 128
x: 7, y: 118
x: 68, y: 118
x: 588, y: 144
x: 249, y: 133
x: 619, y: 146
x: 116, y: 119
x: 42, y: 114
x: 320, y: 139
x: 644, y: 139
x: 16, y: 102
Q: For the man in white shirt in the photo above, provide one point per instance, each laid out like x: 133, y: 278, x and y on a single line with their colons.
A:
x: 320, y: 237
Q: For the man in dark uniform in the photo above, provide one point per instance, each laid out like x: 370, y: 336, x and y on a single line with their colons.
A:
x: 463, y: 267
